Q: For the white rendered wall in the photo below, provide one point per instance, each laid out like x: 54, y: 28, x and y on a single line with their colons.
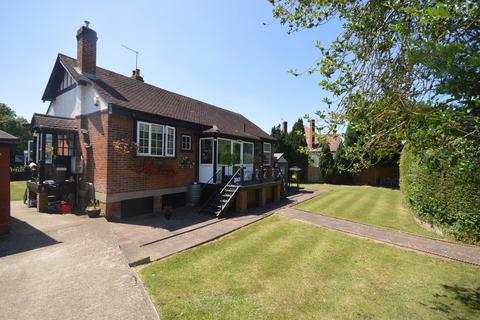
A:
x: 79, y: 100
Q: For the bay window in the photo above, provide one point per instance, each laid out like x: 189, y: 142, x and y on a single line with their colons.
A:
x: 155, y: 140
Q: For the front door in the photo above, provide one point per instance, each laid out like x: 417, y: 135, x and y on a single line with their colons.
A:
x: 205, y: 168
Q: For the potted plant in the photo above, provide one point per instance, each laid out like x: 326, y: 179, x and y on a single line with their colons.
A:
x: 124, y: 146
x: 186, y: 163
x: 167, y: 212
x: 93, y: 208
x: 65, y: 207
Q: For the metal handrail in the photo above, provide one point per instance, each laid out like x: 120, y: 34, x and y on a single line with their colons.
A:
x: 214, y: 175
x: 221, y: 191
x: 216, y: 189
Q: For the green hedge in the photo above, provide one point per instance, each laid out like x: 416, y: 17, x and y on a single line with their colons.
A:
x: 446, y: 199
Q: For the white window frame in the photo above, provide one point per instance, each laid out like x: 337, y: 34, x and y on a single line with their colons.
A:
x: 267, y: 161
x: 189, y: 142
x: 164, y: 154
x: 172, y: 154
x: 253, y: 152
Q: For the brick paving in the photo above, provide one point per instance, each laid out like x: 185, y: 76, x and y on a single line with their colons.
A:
x: 465, y: 253
x: 151, y: 238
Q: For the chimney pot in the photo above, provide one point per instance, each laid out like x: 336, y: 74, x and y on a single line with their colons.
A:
x: 136, y: 75
x: 285, y: 127
x: 87, y: 49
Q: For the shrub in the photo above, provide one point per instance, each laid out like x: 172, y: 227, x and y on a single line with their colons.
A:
x: 449, y: 200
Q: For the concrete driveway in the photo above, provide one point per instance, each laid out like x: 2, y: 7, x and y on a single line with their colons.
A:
x: 66, y: 267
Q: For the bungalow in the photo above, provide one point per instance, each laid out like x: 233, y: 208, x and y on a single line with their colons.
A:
x: 139, y: 146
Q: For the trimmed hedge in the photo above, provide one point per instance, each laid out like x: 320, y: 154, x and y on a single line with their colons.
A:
x: 445, y: 199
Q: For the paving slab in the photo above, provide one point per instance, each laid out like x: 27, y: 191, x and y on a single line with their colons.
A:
x: 66, y: 267
x: 151, y: 237
x: 465, y: 253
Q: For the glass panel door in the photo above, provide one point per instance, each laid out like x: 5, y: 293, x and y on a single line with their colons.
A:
x: 205, y: 168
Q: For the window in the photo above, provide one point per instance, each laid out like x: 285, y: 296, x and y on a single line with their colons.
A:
x: 48, y: 148
x: 186, y: 142
x: 247, y: 153
x: 65, y: 143
x: 267, y: 153
x: 224, y: 151
x: 170, y: 142
x: 206, y: 151
x: 155, y: 140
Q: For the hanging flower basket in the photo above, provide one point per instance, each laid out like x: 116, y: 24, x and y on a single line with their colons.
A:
x: 186, y: 163
x: 124, y: 146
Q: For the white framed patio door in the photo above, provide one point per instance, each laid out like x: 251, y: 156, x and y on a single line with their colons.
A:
x: 206, y: 157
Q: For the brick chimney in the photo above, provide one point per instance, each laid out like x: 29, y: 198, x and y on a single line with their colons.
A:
x: 312, y: 128
x: 87, y: 49
x: 284, y: 127
x: 136, y: 75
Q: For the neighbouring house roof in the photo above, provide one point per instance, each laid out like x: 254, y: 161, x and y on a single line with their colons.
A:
x: 333, y: 140
x: 7, y: 138
x: 122, y: 91
x: 42, y: 121
x: 279, y: 157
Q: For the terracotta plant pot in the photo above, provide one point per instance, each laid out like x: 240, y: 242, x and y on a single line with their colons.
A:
x: 65, y: 207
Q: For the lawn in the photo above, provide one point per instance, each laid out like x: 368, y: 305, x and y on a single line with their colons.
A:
x: 280, y: 268
x: 17, y: 189
x: 371, y: 205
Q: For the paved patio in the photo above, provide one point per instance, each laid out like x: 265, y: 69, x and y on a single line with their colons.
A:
x: 151, y: 237
x: 66, y: 267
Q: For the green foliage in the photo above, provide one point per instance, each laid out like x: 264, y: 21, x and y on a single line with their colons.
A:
x: 326, y: 162
x: 406, y: 72
x: 17, y: 126
x: 293, y: 145
x: 400, y: 71
x: 448, y: 199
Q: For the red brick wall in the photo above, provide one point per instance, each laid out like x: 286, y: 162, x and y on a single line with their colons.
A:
x: 4, y: 188
x: 95, y: 157
x: 123, y: 175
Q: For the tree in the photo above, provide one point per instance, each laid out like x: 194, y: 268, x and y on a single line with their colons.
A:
x: 17, y: 126
x: 401, y: 71
x: 326, y: 163
x: 293, y: 145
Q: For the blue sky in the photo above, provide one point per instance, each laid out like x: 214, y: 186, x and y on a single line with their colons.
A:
x: 215, y: 51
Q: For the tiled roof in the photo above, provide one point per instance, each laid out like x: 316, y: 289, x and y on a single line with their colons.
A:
x: 40, y: 121
x: 122, y: 91
x: 333, y: 140
x: 6, y: 137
